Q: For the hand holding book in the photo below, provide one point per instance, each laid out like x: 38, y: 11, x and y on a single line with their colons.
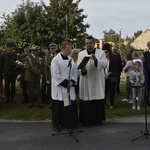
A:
x: 84, y: 62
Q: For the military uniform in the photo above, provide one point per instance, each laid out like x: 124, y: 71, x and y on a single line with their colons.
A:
x: 43, y: 83
x: 46, y: 61
x: 1, y: 78
x: 23, y: 82
x: 9, y: 69
x: 32, y: 76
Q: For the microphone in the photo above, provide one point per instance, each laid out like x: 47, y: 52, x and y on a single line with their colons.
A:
x: 69, y: 63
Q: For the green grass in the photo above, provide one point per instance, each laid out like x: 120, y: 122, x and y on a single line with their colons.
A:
x: 123, y: 109
x: 20, y: 111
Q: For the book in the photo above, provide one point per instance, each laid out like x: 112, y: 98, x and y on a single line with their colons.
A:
x: 84, y: 62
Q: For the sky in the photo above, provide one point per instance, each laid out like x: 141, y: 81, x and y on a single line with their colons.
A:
x: 127, y: 16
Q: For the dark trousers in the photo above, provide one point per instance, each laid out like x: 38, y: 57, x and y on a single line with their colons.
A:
x: 10, y: 81
x: 64, y: 116
x: 92, y: 112
x: 34, y: 92
x: 109, y: 91
x: 147, y: 83
x: 45, y: 91
x: 128, y: 88
x: 23, y: 85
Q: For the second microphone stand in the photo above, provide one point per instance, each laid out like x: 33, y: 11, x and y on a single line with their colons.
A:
x: 146, y: 97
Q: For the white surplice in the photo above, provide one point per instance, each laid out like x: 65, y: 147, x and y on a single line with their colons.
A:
x: 59, y: 72
x: 92, y: 85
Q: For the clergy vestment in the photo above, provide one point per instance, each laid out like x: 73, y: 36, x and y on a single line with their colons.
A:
x: 61, y: 73
x: 92, y: 88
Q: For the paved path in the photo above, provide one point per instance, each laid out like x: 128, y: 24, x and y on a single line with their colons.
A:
x: 115, y: 134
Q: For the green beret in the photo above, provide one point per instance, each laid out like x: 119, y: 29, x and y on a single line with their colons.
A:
x: 10, y: 44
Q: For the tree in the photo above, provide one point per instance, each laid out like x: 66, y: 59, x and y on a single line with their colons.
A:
x: 112, y: 36
x: 41, y: 24
x: 130, y: 40
x: 66, y: 21
x: 136, y: 34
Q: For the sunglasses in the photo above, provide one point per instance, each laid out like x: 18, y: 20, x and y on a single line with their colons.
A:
x: 105, y: 51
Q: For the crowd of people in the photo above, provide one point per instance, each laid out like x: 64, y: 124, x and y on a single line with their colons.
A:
x: 55, y: 79
x: 28, y: 67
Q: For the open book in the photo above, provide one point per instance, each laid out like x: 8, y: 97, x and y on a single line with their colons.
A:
x: 84, y: 62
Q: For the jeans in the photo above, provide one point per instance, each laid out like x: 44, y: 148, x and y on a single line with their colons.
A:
x: 137, y: 92
x: 128, y: 88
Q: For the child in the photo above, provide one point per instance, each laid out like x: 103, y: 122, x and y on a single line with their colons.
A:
x: 137, y: 80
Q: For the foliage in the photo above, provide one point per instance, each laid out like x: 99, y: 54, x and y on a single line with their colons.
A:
x: 130, y: 40
x: 40, y: 24
x: 111, y: 36
x: 136, y: 34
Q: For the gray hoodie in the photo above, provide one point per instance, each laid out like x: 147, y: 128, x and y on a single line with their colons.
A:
x: 136, y: 78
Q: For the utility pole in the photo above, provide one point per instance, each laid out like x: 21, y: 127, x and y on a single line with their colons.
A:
x: 66, y: 27
x: 120, y: 38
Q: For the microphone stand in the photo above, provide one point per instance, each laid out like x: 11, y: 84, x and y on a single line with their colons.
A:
x: 146, y: 96
x: 70, y: 131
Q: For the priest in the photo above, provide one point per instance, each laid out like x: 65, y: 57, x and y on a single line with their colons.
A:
x: 92, y: 84
x: 64, y: 75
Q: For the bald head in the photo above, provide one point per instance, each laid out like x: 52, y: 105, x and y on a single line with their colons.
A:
x: 148, y: 44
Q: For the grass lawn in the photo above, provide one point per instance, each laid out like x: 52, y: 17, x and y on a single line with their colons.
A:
x: 124, y: 109
x: 20, y: 111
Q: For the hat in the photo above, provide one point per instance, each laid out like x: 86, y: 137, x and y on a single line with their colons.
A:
x: 36, y: 48
x: 10, y: 44
x: 52, y: 45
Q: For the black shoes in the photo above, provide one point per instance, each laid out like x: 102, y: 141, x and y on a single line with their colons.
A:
x: 57, y: 129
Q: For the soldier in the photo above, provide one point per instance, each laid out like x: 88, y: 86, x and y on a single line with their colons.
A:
x: 52, y: 48
x: 44, y: 85
x: 1, y: 79
x: 46, y: 78
x: 9, y: 69
x: 32, y: 76
x: 23, y: 82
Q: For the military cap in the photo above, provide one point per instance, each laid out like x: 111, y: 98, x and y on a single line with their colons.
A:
x: 52, y: 45
x: 36, y: 48
x: 10, y: 44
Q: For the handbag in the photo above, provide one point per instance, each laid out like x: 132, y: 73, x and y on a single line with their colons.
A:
x: 113, y: 79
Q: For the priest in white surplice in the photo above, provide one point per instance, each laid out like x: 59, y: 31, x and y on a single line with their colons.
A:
x: 64, y: 76
x: 92, y: 85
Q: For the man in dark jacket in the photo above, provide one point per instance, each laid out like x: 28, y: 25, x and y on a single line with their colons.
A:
x: 146, y: 63
x: 119, y: 66
x: 9, y: 71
